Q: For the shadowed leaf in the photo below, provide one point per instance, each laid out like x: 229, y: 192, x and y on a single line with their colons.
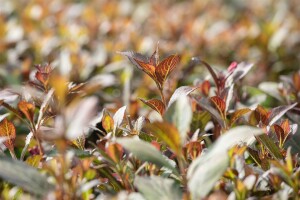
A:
x: 145, y: 152
x: 270, y: 145
x: 219, y: 104
x: 8, y: 130
x: 24, y: 176
x: 155, y: 104
x: 156, y: 187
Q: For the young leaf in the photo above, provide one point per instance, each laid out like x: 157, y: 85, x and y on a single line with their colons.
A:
x: 27, y: 109
x: 165, y: 67
x: 118, y: 117
x: 181, y: 91
x: 155, y: 104
x: 24, y: 176
x: 156, y: 187
x: 8, y: 130
x: 107, y: 122
x: 219, y: 104
x: 147, y: 68
x: 145, y: 152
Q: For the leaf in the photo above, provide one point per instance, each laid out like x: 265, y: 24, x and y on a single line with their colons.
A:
x: 118, y: 117
x: 206, y: 170
x: 156, y: 187
x: 180, y: 114
x: 27, y: 109
x: 115, y: 152
x: 237, y: 114
x: 181, y: 91
x: 147, y: 68
x: 209, y: 68
x: 165, y: 67
x: 270, y: 145
x: 167, y: 133
x: 79, y: 115
x: 214, y: 113
x: 8, y: 130
x: 272, y: 89
x: 145, y: 152
x: 34, y: 160
x: 44, y: 107
x: 278, y: 112
x: 155, y: 104
x: 240, y: 71
x: 219, y: 104
x: 24, y: 176
x: 107, y: 122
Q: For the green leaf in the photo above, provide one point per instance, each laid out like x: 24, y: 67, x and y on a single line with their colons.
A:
x: 206, y: 170
x: 155, y: 187
x: 24, y: 176
x: 145, y: 152
x: 270, y: 145
x: 180, y: 114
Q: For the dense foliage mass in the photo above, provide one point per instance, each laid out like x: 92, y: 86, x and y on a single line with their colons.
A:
x: 100, y: 121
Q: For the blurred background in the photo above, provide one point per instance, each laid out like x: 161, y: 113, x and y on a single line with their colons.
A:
x: 81, y: 37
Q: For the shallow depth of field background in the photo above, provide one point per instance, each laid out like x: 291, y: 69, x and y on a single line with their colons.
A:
x: 81, y: 37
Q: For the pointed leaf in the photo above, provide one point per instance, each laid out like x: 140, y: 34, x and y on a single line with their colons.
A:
x: 181, y: 91
x: 237, y: 114
x: 8, y: 130
x: 107, y: 122
x: 165, y: 67
x: 147, y: 68
x: 118, y: 117
x: 155, y: 104
x: 270, y: 145
x: 214, y: 113
x: 156, y: 187
x: 219, y: 104
x: 145, y: 152
x: 278, y: 112
x: 27, y: 109
x: 24, y: 176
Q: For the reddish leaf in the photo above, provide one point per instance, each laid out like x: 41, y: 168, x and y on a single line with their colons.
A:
x: 165, y: 67
x: 237, y: 114
x: 27, y: 109
x: 285, y: 125
x: 219, y: 104
x: 115, y: 152
x: 205, y: 87
x: 8, y: 130
x: 147, y: 68
x: 155, y: 104
x: 262, y: 115
x: 296, y: 81
x: 194, y: 149
x: 279, y: 133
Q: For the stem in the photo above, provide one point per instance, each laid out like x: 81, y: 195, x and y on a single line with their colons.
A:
x: 162, y: 96
x: 34, y: 132
x: 13, y: 154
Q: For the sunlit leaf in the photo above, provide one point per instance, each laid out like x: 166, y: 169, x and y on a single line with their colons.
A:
x: 118, y: 117
x: 181, y: 91
x: 156, y: 187
x: 8, y: 130
x: 27, y: 109
x: 107, y: 122
x: 168, y: 133
x: 165, y: 67
x: 155, y: 104
x: 115, y: 152
x: 145, y: 152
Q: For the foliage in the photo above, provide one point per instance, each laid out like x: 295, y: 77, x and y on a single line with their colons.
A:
x: 90, y: 125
